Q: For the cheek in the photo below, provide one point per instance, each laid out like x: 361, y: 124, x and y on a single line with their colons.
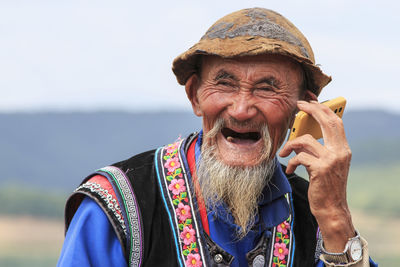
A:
x: 212, y: 102
x: 211, y: 106
x: 278, y: 115
x: 278, y: 132
x: 278, y: 110
x: 279, y: 125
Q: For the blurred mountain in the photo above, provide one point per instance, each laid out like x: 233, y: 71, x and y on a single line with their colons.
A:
x: 57, y: 150
x: 374, y: 137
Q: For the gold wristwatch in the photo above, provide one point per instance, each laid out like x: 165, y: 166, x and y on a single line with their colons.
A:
x: 352, y: 251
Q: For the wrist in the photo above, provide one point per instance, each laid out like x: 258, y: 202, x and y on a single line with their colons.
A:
x: 336, y: 230
x: 353, y: 251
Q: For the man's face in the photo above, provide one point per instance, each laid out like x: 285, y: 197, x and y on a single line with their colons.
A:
x: 246, y: 93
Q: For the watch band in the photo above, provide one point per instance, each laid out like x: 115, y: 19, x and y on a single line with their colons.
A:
x: 352, y: 251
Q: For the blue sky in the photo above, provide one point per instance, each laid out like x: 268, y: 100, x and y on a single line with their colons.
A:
x: 117, y: 55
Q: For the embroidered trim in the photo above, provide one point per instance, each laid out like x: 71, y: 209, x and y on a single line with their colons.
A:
x: 318, y: 246
x: 178, y: 200
x: 109, y: 200
x: 282, y: 245
x: 132, y: 211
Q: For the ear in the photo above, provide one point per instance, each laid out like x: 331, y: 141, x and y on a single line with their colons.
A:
x: 308, y: 96
x: 191, y: 87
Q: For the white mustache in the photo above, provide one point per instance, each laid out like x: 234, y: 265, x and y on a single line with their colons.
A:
x: 221, y: 123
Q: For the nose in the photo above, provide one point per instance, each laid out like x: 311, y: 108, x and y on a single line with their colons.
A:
x: 242, y: 107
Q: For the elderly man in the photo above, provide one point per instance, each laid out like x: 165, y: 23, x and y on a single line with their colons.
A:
x: 220, y: 197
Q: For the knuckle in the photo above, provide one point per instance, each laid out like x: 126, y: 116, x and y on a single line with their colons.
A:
x: 308, y: 137
x: 332, y: 122
x: 292, y: 161
x: 338, y: 121
x: 339, y: 157
x: 348, y: 154
x: 300, y: 156
x: 324, y: 108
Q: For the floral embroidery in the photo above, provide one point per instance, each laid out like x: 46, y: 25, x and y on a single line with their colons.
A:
x: 183, y: 212
x: 188, y: 235
x: 172, y: 148
x: 280, y: 250
x: 172, y: 164
x: 282, y: 241
x: 283, y: 227
x: 193, y: 260
x: 176, y: 185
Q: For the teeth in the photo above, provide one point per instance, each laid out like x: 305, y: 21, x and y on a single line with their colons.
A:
x: 229, y: 138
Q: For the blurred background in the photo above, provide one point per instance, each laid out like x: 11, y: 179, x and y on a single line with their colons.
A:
x: 88, y: 83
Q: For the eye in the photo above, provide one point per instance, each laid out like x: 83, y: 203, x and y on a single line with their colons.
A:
x: 269, y: 85
x: 225, y: 83
x: 265, y: 88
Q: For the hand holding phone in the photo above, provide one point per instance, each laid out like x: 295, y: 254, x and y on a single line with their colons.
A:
x: 306, y: 124
x: 327, y: 165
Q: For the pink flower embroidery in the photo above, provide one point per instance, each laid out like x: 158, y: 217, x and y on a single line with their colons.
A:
x: 280, y: 250
x: 172, y: 164
x: 177, y: 186
x: 188, y: 235
x: 193, y: 260
x: 172, y: 147
x: 183, y: 212
x: 283, y: 227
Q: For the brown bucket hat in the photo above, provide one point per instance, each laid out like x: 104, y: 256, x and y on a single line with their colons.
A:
x: 250, y: 32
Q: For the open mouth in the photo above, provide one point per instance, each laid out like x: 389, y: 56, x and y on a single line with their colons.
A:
x: 240, y: 138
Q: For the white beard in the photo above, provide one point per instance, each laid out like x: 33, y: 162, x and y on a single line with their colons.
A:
x: 238, y: 187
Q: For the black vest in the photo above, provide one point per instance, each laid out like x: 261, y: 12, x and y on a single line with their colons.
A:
x: 156, y: 234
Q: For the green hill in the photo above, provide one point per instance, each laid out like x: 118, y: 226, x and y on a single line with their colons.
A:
x: 57, y: 150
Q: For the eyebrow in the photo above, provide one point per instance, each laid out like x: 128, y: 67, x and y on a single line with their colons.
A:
x: 270, y: 80
x: 223, y: 74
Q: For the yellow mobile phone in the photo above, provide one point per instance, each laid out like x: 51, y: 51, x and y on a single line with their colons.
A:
x: 306, y: 124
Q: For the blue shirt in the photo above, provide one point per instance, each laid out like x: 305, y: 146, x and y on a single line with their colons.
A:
x: 91, y: 240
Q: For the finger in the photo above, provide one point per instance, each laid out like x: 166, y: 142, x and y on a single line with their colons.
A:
x: 331, y: 125
x: 304, y: 143
x: 302, y: 158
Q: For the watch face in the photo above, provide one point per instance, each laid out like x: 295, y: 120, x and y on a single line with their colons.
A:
x: 356, y: 250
